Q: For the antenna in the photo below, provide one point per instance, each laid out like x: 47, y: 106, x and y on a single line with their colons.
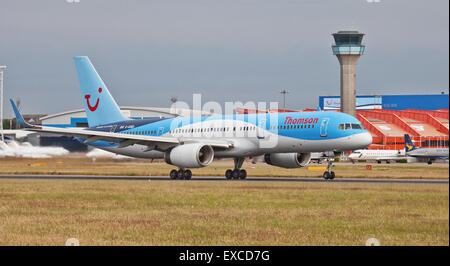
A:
x: 284, y: 92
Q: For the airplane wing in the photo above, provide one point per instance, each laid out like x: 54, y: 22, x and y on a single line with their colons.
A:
x: 124, y: 140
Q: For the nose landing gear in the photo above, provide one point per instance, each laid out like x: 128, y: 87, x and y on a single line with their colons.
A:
x: 329, y: 175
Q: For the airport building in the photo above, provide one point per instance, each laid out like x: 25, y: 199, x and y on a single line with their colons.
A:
x: 390, y: 102
x: 348, y: 49
x: 428, y: 128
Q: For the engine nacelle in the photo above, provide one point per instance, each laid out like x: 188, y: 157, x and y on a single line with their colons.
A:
x: 192, y: 155
x: 288, y: 160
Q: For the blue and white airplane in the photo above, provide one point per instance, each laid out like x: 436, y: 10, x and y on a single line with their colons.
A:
x: 285, y: 139
x: 428, y: 154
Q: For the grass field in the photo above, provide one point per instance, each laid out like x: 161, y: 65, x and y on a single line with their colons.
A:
x: 44, y: 212
x: 135, y: 167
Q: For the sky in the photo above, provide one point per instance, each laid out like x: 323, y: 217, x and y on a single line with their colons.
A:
x: 226, y: 50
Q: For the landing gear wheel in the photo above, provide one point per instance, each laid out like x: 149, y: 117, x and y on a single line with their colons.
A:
x: 229, y: 174
x: 326, y: 175
x: 180, y: 174
x: 242, y: 174
x: 235, y: 174
x: 173, y: 174
x: 332, y: 175
x: 187, y: 175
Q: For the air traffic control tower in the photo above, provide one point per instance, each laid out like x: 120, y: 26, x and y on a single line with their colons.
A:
x: 348, y: 49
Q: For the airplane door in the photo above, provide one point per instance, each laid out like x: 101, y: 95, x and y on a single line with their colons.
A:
x: 323, y: 127
x: 113, y: 128
x: 260, y: 130
x: 160, y: 131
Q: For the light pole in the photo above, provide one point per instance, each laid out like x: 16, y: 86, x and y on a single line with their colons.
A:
x: 284, y: 92
x: 2, y: 68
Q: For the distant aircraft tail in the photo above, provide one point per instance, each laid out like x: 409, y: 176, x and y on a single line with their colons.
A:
x: 409, y: 145
x: 100, y: 106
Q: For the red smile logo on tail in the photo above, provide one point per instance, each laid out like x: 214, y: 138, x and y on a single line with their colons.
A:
x: 92, y: 108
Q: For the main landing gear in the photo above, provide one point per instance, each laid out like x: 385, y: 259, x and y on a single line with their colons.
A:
x: 181, y: 174
x: 329, y: 174
x: 237, y: 173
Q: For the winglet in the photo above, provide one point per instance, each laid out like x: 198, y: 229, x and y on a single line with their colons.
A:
x: 18, y: 115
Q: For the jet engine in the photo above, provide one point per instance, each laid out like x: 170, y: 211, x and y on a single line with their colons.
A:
x: 193, y: 155
x: 288, y: 160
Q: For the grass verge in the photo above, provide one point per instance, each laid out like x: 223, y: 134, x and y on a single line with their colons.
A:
x: 36, y: 212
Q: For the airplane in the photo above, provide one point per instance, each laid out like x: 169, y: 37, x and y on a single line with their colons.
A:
x: 284, y: 139
x: 377, y: 155
x: 428, y: 154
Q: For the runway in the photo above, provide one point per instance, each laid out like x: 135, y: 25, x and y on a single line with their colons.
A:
x: 222, y: 179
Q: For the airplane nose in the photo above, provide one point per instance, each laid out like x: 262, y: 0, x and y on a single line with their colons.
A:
x: 362, y: 140
x: 356, y: 142
x: 365, y: 139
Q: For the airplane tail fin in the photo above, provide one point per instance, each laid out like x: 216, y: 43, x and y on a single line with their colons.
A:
x: 18, y: 115
x: 409, y: 145
x: 100, y: 106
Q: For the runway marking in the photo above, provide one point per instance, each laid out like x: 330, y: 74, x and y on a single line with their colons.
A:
x: 222, y: 179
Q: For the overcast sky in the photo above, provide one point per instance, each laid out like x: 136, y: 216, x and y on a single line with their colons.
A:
x: 233, y: 50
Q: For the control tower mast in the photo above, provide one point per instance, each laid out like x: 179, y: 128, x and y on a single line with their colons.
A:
x: 348, y: 49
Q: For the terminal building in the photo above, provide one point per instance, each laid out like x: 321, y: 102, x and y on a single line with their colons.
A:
x: 390, y: 102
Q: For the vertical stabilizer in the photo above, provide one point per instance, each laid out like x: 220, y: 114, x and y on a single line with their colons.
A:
x: 100, y: 106
x: 409, y: 145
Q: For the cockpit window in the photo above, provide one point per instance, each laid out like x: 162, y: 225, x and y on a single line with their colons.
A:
x: 348, y: 126
x: 356, y: 126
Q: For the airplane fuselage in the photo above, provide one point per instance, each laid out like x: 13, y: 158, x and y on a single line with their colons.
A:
x: 250, y: 135
x: 429, y: 153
